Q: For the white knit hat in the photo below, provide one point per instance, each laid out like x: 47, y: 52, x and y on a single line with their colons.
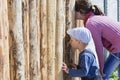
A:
x: 81, y: 34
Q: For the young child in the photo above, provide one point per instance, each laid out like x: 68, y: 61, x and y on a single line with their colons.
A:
x: 87, y: 67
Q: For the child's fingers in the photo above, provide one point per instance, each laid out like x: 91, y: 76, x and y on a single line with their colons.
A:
x: 64, y: 64
x: 64, y: 68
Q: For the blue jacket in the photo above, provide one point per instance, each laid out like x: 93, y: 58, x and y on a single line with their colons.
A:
x: 87, y: 66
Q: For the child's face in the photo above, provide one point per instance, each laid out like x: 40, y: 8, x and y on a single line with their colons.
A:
x: 78, y: 16
x: 74, y: 43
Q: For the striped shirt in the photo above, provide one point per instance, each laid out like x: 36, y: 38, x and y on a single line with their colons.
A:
x: 106, y: 33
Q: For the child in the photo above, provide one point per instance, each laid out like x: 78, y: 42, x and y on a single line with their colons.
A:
x: 87, y: 67
x: 105, y: 33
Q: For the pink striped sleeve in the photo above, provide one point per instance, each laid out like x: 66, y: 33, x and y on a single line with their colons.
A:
x: 96, y: 34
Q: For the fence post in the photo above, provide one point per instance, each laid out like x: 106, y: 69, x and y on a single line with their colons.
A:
x: 25, y: 24
x: 34, y: 18
x: 51, y: 26
x: 4, y: 39
x: 60, y: 35
x: 43, y: 46
x: 17, y: 59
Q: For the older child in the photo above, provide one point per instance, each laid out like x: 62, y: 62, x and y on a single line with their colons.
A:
x: 87, y: 67
x: 105, y: 33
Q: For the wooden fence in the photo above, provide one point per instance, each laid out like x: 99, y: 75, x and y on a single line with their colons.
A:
x: 33, y: 40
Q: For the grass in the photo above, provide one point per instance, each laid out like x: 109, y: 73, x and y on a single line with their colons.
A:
x: 114, y: 75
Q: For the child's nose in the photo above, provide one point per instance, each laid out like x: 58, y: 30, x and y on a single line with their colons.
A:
x: 69, y: 44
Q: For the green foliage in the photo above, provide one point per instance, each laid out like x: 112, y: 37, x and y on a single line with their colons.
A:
x: 114, y: 75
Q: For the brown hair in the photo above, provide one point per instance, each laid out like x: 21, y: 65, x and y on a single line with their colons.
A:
x: 84, y: 7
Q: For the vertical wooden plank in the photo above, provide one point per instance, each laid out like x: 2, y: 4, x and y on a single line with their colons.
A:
x: 60, y: 34
x: 70, y: 22
x: 43, y: 46
x: 67, y: 38
x: 4, y: 45
x: 12, y: 63
x: 25, y: 21
x: 16, y: 34
x: 51, y: 25
x: 0, y: 32
x: 2, y: 8
x: 38, y: 36
x: 34, y: 40
x: 70, y: 13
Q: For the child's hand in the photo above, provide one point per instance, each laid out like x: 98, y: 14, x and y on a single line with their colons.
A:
x: 65, y: 68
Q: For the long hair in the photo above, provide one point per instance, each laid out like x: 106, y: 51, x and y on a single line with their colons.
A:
x: 84, y: 7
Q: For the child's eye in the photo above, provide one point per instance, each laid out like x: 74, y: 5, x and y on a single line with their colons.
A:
x: 70, y: 41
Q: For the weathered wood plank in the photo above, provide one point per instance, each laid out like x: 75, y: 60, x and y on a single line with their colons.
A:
x: 16, y: 34
x: 43, y: 47
x: 25, y: 24
x: 51, y: 26
x: 60, y: 34
x: 34, y: 40
x: 4, y: 39
x: 70, y: 22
